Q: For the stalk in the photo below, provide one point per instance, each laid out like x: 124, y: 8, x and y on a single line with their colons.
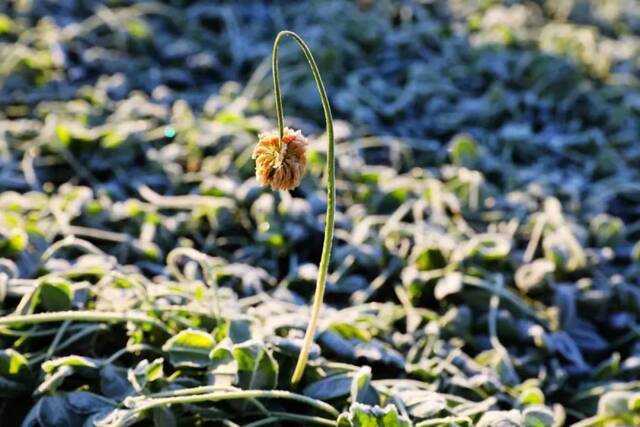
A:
x: 81, y: 316
x: 331, y: 190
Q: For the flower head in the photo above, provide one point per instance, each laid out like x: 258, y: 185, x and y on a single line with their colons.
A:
x: 280, y: 163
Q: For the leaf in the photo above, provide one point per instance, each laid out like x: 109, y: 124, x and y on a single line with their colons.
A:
x: 606, y: 230
x: 429, y: 258
x: 423, y: 404
x: 635, y: 252
x: 54, y: 413
x: 53, y: 381
x: 190, y: 348
x: 330, y: 387
x: 291, y: 346
x: 239, y: 330
x: 257, y: 369
x: 565, y: 299
x: 57, y: 370
x: 531, y: 396
x: 511, y: 418
x: 538, y: 416
x: 64, y: 134
x: 463, y: 150
x: 337, y: 344
x: 535, y: 276
x: 448, y: 285
x: 13, y: 242
x: 616, y: 404
x: 503, y: 366
x: 145, y: 373
x: 114, y: 384
x: 490, y: 247
x: 85, y: 403
x: 634, y: 402
x: 457, y: 321
x: 15, y: 376
x: 343, y: 420
x: 55, y: 295
x: 163, y: 417
x: 361, y: 389
x: 224, y: 367
x: 586, y: 337
x: 31, y: 420
x: 374, y: 416
x: 73, y: 361
x: 373, y: 351
x: 350, y: 331
x: 563, y: 344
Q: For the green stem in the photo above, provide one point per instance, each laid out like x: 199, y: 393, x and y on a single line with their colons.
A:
x: 144, y: 405
x: 81, y: 316
x: 331, y: 191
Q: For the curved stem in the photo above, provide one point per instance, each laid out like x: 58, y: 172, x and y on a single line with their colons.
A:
x: 216, y: 396
x: 81, y: 316
x: 331, y: 191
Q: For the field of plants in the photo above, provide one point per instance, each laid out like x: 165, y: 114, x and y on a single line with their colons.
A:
x: 485, y: 268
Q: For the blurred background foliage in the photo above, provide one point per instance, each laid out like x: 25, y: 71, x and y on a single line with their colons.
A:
x: 487, y: 257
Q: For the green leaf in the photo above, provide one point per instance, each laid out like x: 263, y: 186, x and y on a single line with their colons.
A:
x: 224, y: 367
x: 430, y: 258
x: 361, y: 389
x: 606, y: 229
x: 190, y: 348
x: 450, y: 284
x: 13, y: 241
x: 85, y: 403
x: 114, y: 384
x: 15, y: 375
x: 330, y: 387
x: 615, y: 404
x: 538, y: 416
x: 463, y: 150
x: 531, y: 396
x: 6, y: 24
x: 53, y: 412
x: 635, y: 252
x: 52, y: 382
x: 145, y: 373
x: 343, y: 420
x: 511, y: 418
x: 534, y: 276
x: 634, y: 402
x: 57, y: 370
x: 55, y: 294
x: 73, y: 361
x: 350, y: 331
x: 138, y: 29
x: 112, y: 140
x: 163, y: 417
x: 64, y: 134
x: 257, y: 369
x: 374, y: 416
x: 490, y: 247
x: 238, y: 330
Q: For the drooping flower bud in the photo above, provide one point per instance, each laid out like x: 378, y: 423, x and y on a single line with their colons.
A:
x: 281, y: 163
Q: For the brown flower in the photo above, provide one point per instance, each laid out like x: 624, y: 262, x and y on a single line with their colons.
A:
x: 281, y: 163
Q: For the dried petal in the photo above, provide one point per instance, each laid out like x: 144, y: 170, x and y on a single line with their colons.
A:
x: 281, y: 163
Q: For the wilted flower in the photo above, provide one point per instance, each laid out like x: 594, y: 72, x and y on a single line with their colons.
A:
x: 280, y: 163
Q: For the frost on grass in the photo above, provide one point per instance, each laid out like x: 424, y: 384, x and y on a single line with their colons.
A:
x: 486, y: 261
